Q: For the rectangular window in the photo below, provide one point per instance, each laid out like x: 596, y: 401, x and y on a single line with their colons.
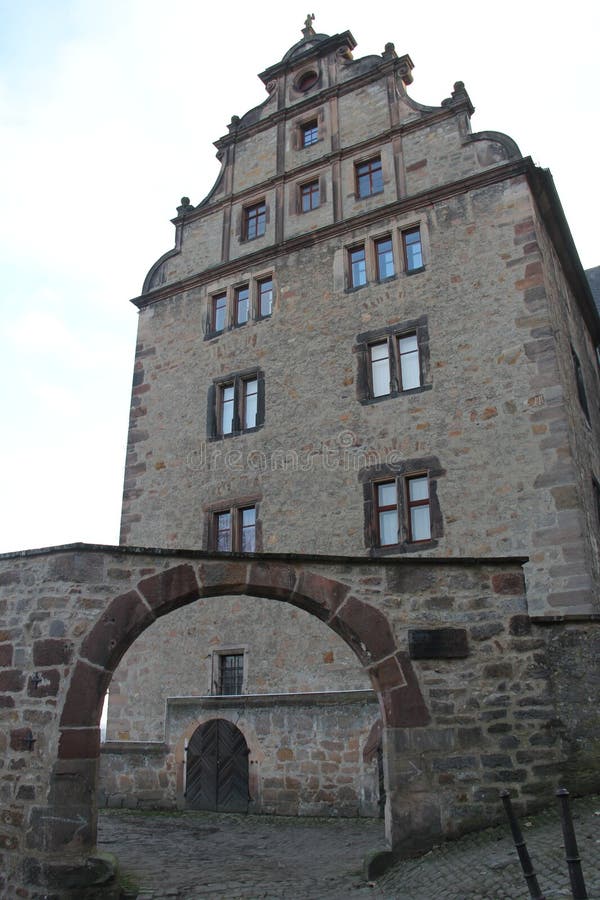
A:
x: 265, y: 297
x: 227, y: 406
x: 231, y: 673
x: 250, y: 399
x: 218, y: 312
x: 236, y: 404
x: 401, y: 505
x: 223, y: 532
x: 255, y: 221
x: 596, y: 492
x: 310, y: 133
x: 369, y: 177
x: 581, y: 393
x: 234, y: 530
x: 413, y: 251
x: 408, y: 351
x: 394, y: 365
x: 385, y: 258
x: 248, y: 530
x: 419, y: 517
x: 380, y: 368
x: 309, y: 196
x: 242, y: 305
x: 358, y: 266
x: 387, y: 513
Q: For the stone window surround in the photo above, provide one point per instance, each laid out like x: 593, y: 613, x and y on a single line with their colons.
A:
x: 296, y: 88
x: 371, y: 476
x: 210, y: 510
x: 368, y: 160
x: 243, y: 219
x: 364, y: 390
x: 307, y: 189
x: 298, y: 125
x: 213, y: 403
x: 230, y: 291
x: 396, y: 234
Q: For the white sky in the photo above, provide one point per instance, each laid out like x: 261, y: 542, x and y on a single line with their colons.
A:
x: 108, y: 111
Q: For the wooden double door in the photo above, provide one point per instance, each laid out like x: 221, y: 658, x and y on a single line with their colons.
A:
x: 217, y: 768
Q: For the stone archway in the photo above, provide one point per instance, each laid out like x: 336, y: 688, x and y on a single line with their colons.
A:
x: 68, y: 614
x: 362, y: 626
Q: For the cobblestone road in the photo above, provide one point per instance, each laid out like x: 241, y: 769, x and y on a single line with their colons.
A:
x: 205, y: 855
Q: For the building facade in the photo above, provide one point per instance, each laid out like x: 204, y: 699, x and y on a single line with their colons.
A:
x: 373, y: 339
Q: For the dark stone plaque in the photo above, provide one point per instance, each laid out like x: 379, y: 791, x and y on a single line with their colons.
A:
x: 437, y: 643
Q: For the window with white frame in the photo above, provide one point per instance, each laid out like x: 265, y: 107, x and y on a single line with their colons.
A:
x: 393, y: 360
x: 236, y: 404
x: 357, y: 266
x: 413, y: 250
x: 401, y: 505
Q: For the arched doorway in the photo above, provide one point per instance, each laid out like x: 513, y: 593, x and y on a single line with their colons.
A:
x: 216, y: 773
x: 80, y: 659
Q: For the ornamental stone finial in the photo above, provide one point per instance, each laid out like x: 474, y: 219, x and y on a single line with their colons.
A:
x: 308, y: 30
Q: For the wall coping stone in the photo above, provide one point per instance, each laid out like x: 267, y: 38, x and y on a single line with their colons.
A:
x: 212, y: 701
x: 267, y: 557
x: 141, y: 747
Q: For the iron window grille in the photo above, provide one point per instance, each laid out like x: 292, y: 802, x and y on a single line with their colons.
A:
x: 231, y: 673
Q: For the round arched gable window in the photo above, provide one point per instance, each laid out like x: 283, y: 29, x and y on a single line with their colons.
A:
x: 307, y: 80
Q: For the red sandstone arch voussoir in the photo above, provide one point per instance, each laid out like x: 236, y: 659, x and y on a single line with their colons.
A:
x: 221, y: 577
x: 403, y: 704
x: 123, y: 621
x: 170, y: 589
x: 85, y: 696
x: 318, y: 595
x: 365, y: 629
x: 272, y: 579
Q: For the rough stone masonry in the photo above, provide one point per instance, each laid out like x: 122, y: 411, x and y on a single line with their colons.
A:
x: 362, y: 464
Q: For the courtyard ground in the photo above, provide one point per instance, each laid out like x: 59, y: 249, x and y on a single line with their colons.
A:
x: 209, y: 855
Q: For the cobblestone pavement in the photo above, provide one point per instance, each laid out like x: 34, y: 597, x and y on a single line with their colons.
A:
x: 207, y: 855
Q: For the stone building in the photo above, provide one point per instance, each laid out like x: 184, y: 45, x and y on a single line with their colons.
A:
x: 373, y: 338
x: 359, y: 561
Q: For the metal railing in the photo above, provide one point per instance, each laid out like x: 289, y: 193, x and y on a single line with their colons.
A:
x: 578, y: 889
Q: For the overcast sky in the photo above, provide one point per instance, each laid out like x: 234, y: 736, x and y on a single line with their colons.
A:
x: 108, y: 111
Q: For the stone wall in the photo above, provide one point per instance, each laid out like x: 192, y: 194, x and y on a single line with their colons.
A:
x: 177, y: 657
x: 491, y: 412
x: 309, y: 755
x: 456, y: 727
